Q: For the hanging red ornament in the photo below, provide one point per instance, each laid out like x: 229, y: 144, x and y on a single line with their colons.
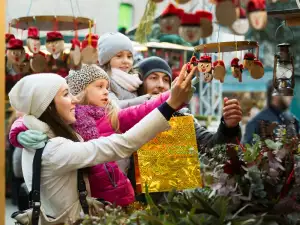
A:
x: 190, y: 29
x: 257, y: 14
x: 226, y: 12
x: 58, y: 60
x: 170, y: 20
x: 38, y: 61
x: 205, y: 64
x: 248, y: 60
x: 75, y: 55
x: 237, y: 69
x: 219, y: 71
x: 205, y: 23
x: 89, y: 49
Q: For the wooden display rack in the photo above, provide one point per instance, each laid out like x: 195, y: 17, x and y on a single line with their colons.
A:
x: 226, y: 46
x: 46, y: 23
x: 290, y: 16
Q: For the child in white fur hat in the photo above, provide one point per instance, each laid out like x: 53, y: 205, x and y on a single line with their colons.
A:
x: 116, y: 58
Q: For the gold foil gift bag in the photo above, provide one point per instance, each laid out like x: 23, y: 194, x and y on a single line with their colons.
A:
x: 170, y: 160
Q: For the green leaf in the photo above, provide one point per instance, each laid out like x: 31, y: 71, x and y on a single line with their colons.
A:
x: 273, y: 145
x: 206, y: 206
x: 221, y: 207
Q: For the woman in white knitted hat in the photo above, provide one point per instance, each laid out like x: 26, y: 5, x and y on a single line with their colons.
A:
x: 115, y: 56
x: 50, y: 109
x: 97, y: 116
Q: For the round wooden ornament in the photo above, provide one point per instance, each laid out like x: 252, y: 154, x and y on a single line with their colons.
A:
x: 38, y: 63
x: 258, y: 19
x: 219, y: 71
x: 89, y: 55
x: 241, y: 25
x: 206, y: 27
x: 257, y: 70
x: 226, y: 12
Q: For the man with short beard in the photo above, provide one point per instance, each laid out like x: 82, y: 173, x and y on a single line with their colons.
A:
x: 275, y: 111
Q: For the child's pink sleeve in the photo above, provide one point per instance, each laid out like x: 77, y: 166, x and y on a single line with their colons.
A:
x: 130, y: 116
x: 16, y: 128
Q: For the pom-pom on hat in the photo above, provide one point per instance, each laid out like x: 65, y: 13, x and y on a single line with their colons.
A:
x: 219, y: 62
x: 256, y: 5
x: 75, y: 42
x: 54, y: 36
x: 249, y: 56
x: 258, y: 62
x: 204, y: 15
x: 8, y: 37
x: 171, y: 10
x: 189, y: 19
x: 235, y: 62
x: 15, y: 44
x: 33, y: 94
x: 33, y: 33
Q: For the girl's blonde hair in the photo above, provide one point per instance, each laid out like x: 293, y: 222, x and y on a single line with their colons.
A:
x: 111, y: 110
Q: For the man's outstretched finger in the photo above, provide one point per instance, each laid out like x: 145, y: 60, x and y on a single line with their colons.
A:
x: 189, y: 77
x: 182, y: 74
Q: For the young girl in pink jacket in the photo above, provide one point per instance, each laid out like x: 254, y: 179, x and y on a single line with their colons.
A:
x: 97, y: 116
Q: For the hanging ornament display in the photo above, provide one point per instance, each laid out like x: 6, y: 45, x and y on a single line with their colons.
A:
x: 257, y: 14
x: 74, y: 62
x: 89, y: 49
x: 205, y: 23
x: 170, y: 20
x: 190, y: 29
x: 237, y: 69
x: 248, y: 60
x: 57, y: 61
x: 241, y: 25
x: 38, y: 61
x: 225, y: 12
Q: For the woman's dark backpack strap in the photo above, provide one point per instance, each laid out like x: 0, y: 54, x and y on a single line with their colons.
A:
x: 82, y: 191
x: 34, y: 195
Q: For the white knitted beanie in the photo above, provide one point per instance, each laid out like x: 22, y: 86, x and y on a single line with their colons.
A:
x: 34, y: 93
x: 109, y: 44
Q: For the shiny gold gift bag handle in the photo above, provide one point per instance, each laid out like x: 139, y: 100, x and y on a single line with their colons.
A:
x: 170, y: 160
